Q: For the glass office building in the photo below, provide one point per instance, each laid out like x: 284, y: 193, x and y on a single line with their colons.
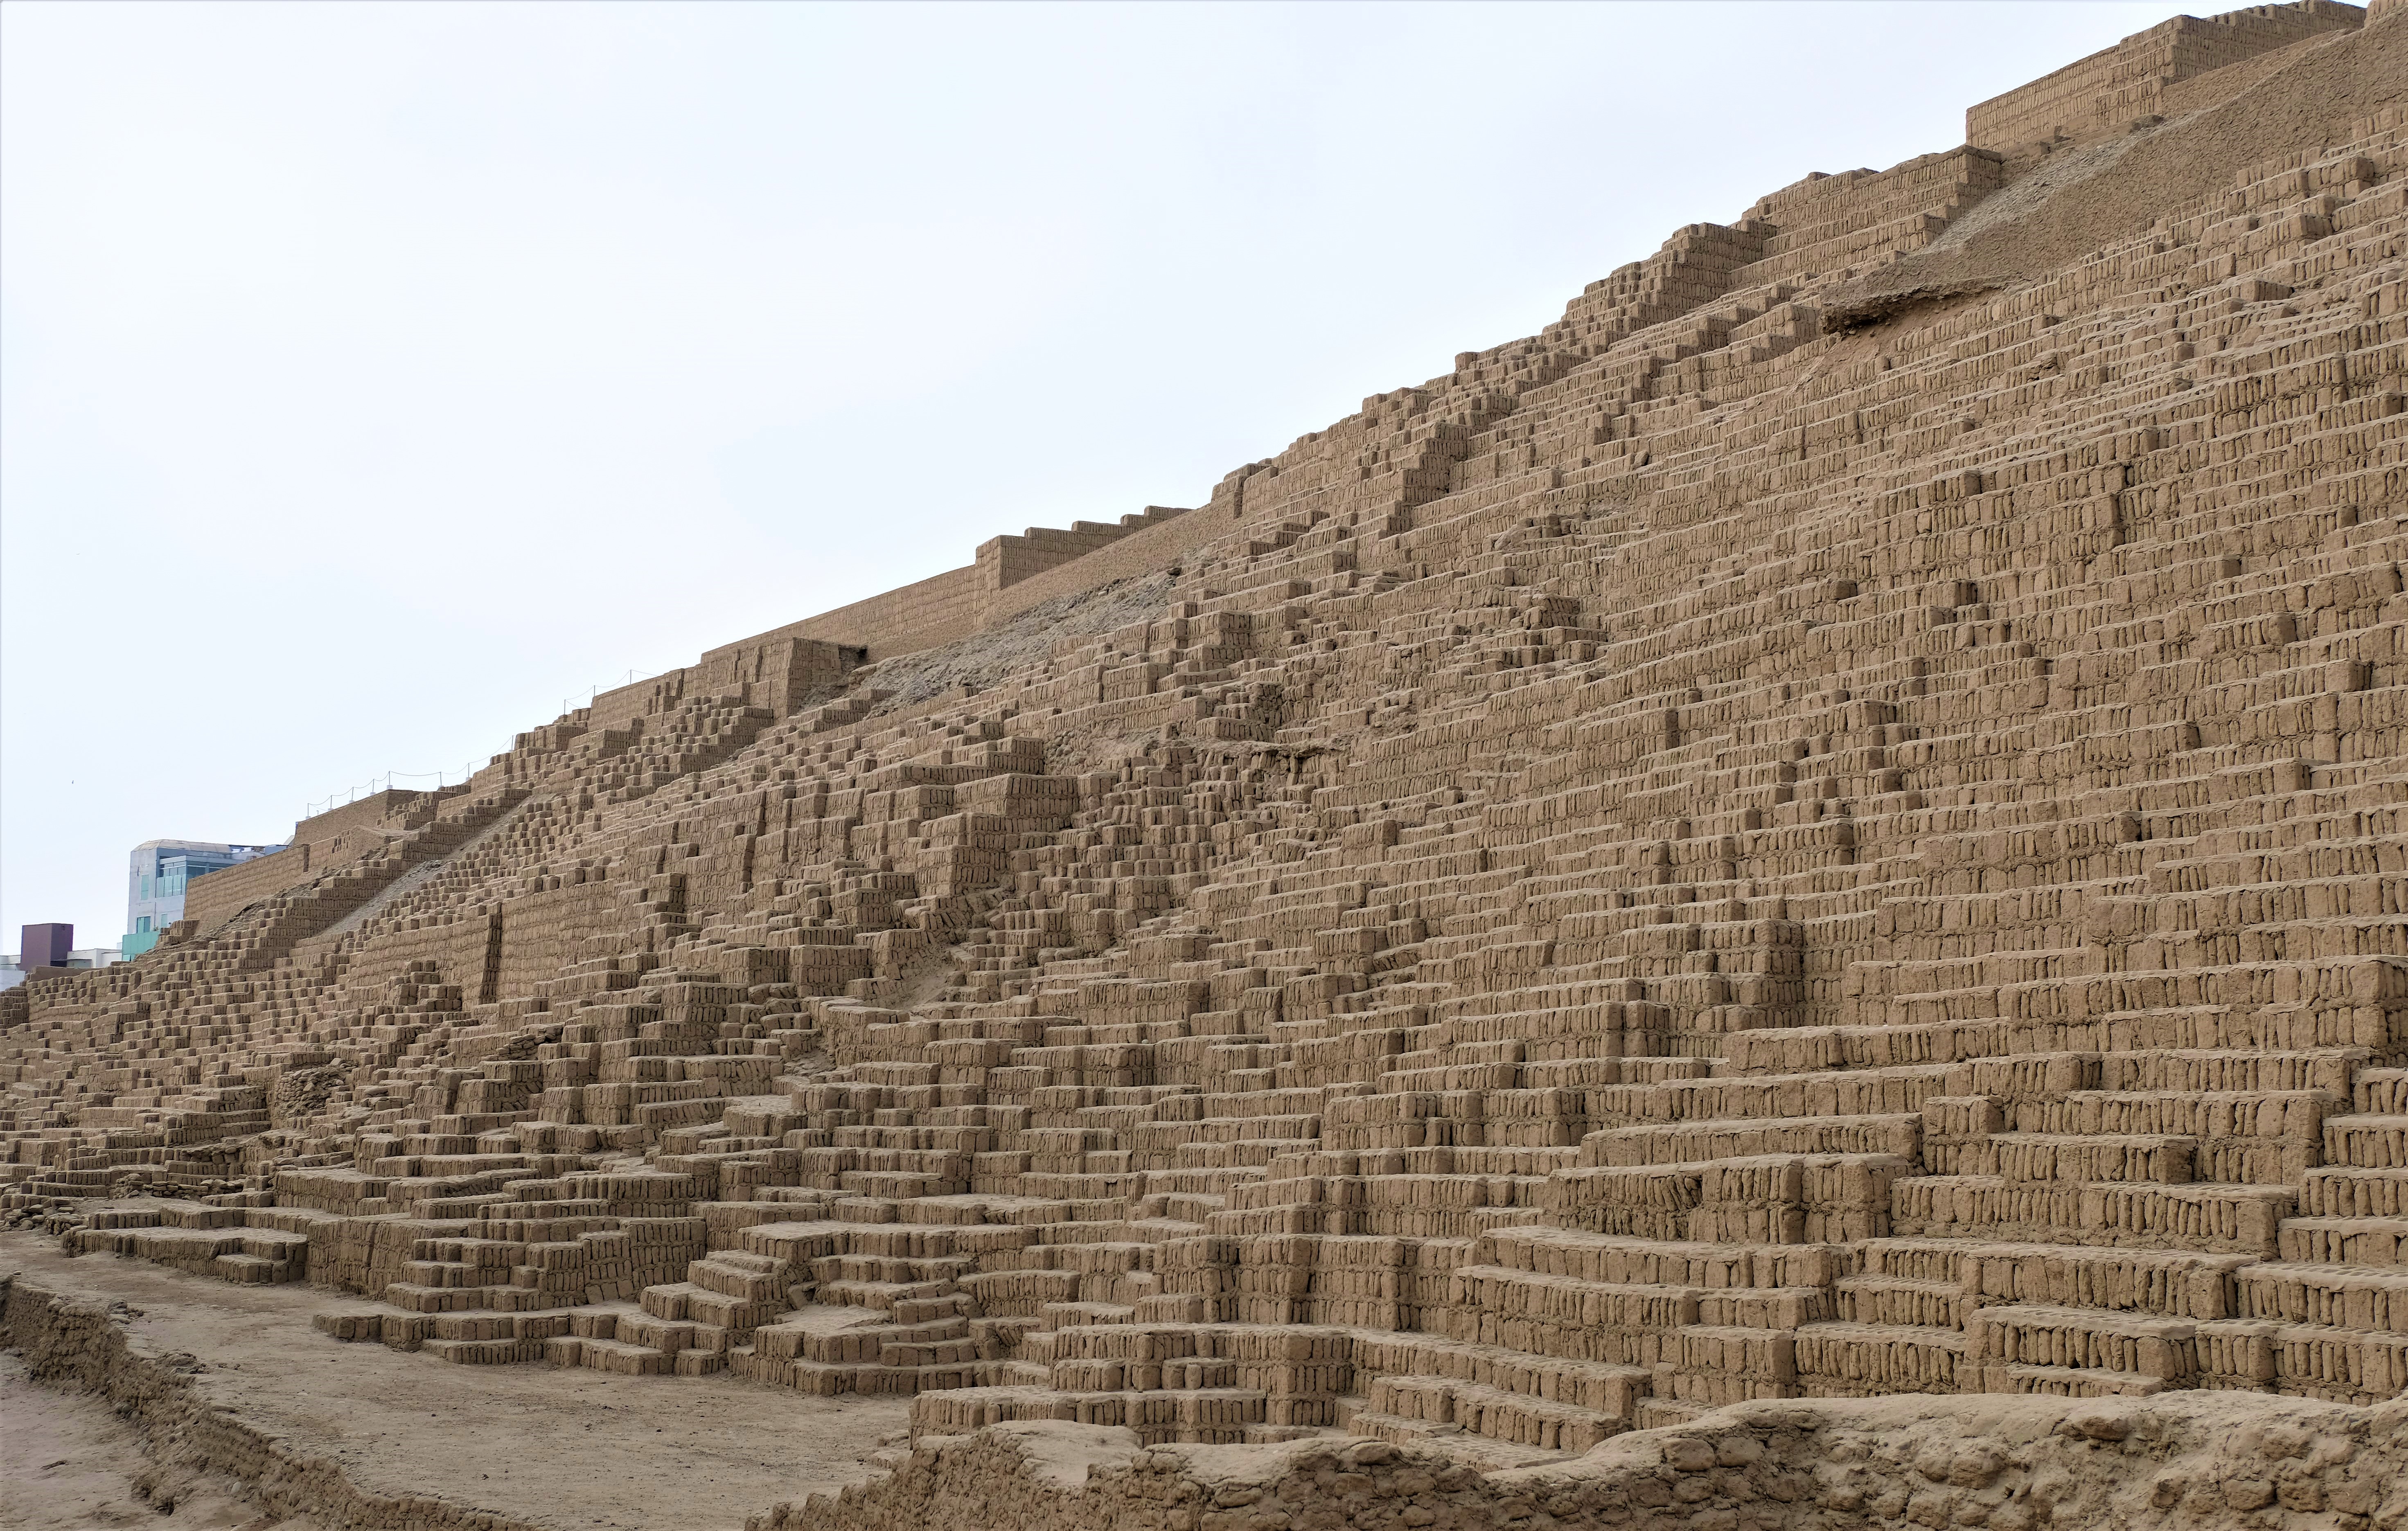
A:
x: 156, y: 876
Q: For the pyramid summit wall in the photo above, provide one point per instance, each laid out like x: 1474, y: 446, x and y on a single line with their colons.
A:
x: 1828, y: 827
x: 2117, y: 86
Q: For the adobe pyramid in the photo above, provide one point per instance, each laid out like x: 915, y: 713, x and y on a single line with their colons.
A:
x: 1830, y: 827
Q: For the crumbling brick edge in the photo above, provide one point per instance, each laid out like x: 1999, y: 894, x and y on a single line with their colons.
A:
x: 2012, y: 1463
x: 1859, y: 306
x: 71, y: 1344
x: 2006, y: 1462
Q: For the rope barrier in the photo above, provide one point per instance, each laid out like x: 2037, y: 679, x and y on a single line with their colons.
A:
x: 351, y: 795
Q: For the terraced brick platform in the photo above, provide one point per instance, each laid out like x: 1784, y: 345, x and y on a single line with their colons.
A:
x: 1834, y: 825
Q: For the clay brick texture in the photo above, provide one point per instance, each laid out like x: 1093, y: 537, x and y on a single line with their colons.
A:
x: 1748, y: 847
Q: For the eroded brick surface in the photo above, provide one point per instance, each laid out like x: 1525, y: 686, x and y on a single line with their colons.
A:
x: 1701, y: 856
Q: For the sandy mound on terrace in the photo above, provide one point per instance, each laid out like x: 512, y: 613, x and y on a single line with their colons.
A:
x: 2295, y: 102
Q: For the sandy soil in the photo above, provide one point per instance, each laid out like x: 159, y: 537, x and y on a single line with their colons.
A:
x: 985, y: 659
x: 2305, y: 95
x: 68, y: 1461
x: 565, y: 1448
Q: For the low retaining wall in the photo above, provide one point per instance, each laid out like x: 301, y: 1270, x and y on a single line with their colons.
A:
x: 2210, y: 1460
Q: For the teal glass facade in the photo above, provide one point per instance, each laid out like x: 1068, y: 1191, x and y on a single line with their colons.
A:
x: 157, y: 875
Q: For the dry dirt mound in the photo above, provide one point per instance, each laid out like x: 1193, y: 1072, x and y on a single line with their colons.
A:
x: 2301, y: 102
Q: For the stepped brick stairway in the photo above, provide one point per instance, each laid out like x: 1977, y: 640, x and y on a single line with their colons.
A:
x: 1752, y: 845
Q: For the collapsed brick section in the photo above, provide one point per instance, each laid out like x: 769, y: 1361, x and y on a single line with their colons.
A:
x: 1688, y: 860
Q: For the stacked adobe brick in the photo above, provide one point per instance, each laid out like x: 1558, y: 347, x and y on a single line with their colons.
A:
x: 1699, y: 856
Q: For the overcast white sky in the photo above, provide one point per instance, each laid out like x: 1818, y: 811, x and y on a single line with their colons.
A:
x: 374, y: 377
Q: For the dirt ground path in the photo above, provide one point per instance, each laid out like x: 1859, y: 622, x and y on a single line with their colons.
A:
x: 67, y: 1463
x: 571, y: 1448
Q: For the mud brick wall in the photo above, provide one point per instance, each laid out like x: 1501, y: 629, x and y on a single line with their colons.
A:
x: 543, y: 932
x: 1849, y: 1466
x: 1006, y: 560
x: 1752, y: 847
x: 459, y: 951
x: 950, y: 606
x: 2117, y: 85
x: 327, y: 840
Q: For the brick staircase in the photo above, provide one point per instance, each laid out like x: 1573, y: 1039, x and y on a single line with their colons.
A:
x: 1702, y: 855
